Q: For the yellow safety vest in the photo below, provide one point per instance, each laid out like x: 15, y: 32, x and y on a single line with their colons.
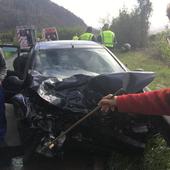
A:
x: 108, y: 38
x: 86, y: 36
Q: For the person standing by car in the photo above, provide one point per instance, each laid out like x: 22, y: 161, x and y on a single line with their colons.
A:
x: 107, y: 37
x: 88, y: 35
x: 3, y: 71
x: 149, y: 103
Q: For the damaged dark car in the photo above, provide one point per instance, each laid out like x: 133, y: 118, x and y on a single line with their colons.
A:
x: 58, y: 83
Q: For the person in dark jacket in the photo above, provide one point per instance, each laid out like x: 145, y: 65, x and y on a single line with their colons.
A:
x: 148, y: 103
x: 3, y: 71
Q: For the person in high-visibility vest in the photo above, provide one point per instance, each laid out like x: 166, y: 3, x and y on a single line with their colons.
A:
x: 88, y: 35
x: 107, y: 37
x: 75, y: 37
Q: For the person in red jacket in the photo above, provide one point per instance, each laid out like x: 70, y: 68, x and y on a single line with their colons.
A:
x: 148, y: 103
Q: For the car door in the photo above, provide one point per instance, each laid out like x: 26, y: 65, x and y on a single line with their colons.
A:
x: 12, y: 83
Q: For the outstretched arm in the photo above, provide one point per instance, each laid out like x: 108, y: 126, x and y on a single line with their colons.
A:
x: 3, y: 69
x: 148, y: 103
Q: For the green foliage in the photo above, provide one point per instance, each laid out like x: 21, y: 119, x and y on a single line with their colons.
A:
x: 157, y: 154
x: 8, y: 55
x: 7, y: 37
x: 68, y: 33
x: 142, y: 59
x: 155, y: 157
x: 39, y: 35
x: 133, y: 27
x: 161, y: 47
x: 40, y: 13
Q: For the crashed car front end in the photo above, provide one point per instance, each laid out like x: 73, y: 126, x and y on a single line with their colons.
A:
x: 50, y: 106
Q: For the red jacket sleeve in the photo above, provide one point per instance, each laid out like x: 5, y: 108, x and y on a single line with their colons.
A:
x: 149, y: 103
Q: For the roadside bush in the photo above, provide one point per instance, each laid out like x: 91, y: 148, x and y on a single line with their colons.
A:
x: 157, y: 154
x: 155, y: 157
x: 68, y: 33
x: 132, y: 27
x: 7, y: 37
x: 160, y: 47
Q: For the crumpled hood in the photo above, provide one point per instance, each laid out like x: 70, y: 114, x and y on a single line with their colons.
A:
x: 80, y: 93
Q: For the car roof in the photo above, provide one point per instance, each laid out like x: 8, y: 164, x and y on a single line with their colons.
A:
x: 66, y: 44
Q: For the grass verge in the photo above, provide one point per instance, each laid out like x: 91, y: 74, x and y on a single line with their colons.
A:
x: 140, y: 59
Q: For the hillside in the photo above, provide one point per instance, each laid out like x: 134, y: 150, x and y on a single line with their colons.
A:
x: 40, y: 13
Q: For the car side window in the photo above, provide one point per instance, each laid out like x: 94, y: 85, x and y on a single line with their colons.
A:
x: 10, y: 54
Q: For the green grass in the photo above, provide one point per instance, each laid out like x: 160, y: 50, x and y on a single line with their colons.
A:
x: 9, y: 54
x: 157, y: 154
x: 156, y: 157
x: 140, y: 59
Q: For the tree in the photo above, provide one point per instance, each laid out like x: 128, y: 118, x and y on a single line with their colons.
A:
x: 133, y: 27
x: 121, y: 27
x: 105, y: 20
x: 144, y: 11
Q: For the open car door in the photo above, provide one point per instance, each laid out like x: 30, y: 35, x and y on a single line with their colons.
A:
x: 10, y: 53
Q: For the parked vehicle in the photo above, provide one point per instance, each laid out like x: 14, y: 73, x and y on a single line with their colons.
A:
x: 62, y: 82
x: 26, y: 36
x: 50, y: 34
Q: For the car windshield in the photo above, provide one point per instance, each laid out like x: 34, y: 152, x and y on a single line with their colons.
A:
x: 76, y: 60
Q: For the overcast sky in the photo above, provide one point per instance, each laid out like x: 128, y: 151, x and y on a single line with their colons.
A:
x: 91, y: 11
